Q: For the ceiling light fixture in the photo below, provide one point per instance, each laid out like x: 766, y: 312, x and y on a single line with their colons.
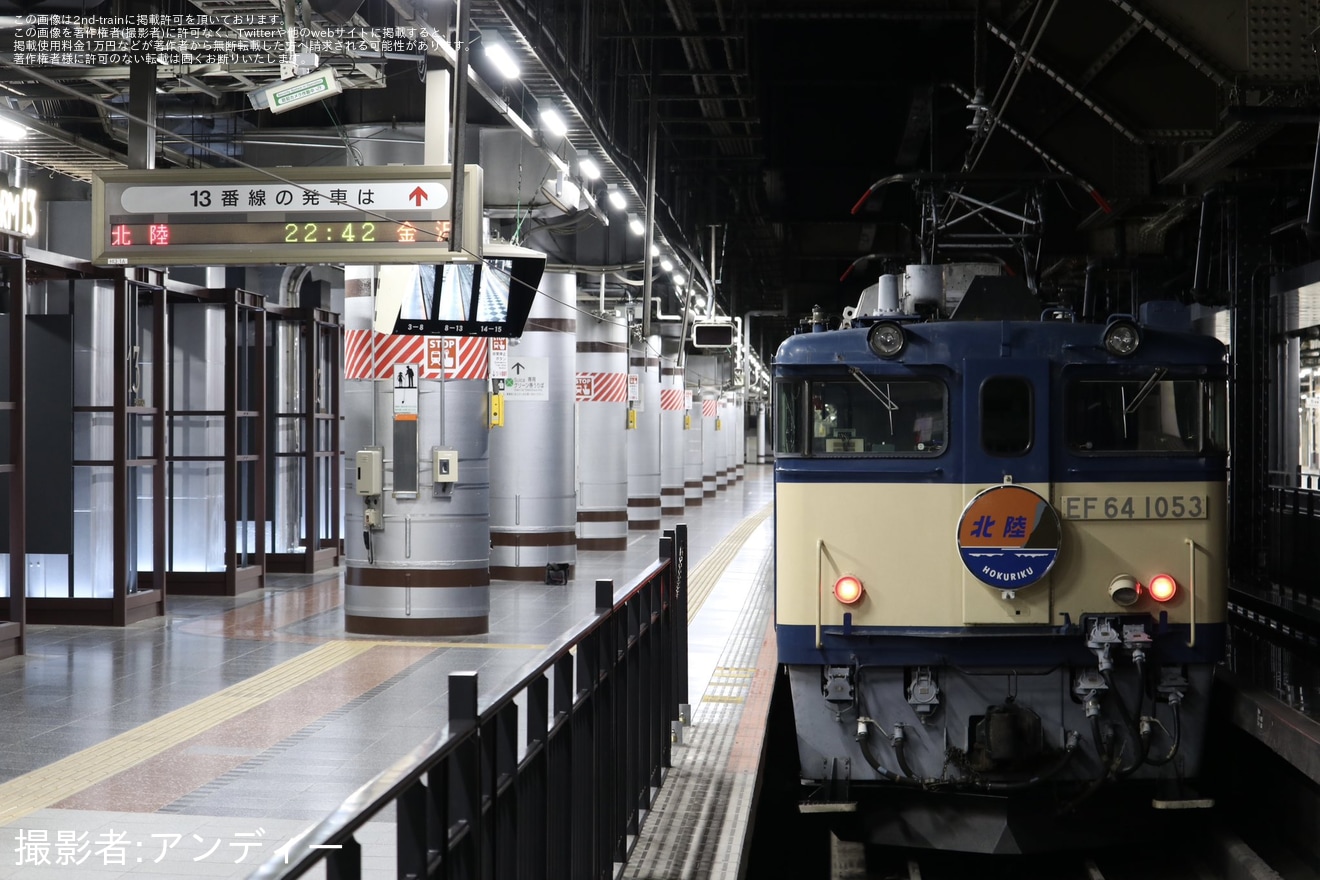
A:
x: 616, y: 197
x: 554, y: 123
x: 498, y: 54
x: 588, y: 168
x: 635, y: 224
x: 11, y: 131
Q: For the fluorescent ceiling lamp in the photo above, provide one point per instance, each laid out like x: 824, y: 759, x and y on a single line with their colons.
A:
x: 635, y: 224
x: 11, y: 131
x: 679, y: 278
x: 617, y: 198
x: 589, y: 169
x: 500, y: 57
x: 554, y: 123
x: 655, y: 250
x: 666, y: 264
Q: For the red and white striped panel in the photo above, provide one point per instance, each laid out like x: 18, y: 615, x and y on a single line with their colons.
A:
x: 671, y: 399
x: 601, y: 387
x: 462, y: 357
x: 710, y: 408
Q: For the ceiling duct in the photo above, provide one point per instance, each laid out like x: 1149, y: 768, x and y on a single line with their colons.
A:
x: 337, y: 12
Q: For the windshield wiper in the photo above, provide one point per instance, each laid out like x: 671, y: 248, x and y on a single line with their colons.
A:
x: 1145, y: 391
x: 885, y: 400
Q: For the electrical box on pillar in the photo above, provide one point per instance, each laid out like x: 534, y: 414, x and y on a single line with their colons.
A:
x: 369, y: 471
x: 444, y: 469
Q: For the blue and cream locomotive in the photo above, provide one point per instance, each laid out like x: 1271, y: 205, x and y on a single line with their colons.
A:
x: 1000, y: 563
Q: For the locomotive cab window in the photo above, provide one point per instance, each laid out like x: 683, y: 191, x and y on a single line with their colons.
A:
x: 1006, y: 414
x: 788, y: 418
x: 872, y: 415
x: 1151, y: 415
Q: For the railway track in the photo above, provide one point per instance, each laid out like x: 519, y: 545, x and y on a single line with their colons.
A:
x: 1217, y: 855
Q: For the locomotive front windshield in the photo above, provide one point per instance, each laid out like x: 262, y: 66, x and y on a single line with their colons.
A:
x: 1159, y: 415
x: 862, y: 415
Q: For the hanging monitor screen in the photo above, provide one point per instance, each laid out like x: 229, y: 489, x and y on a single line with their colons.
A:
x: 712, y: 335
x: 488, y: 298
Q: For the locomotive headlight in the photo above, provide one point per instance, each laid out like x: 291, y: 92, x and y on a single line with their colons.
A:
x: 1122, y: 338
x: 1162, y: 587
x: 848, y: 590
x: 887, y: 339
x: 1124, y: 590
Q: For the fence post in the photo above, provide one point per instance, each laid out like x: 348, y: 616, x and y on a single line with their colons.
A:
x: 666, y: 618
x: 681, y: 625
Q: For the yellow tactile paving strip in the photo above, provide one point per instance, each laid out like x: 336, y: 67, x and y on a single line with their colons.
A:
x: 175, y: 772
x: 91, y: 769
x: 702, y: 580
x: 64, y: 778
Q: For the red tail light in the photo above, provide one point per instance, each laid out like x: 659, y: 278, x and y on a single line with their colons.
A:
x: 848, y: 590
x: 1162, y: 587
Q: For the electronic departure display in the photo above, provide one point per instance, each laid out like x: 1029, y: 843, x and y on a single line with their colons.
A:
x: 330, y: 232
x: 217, y: 217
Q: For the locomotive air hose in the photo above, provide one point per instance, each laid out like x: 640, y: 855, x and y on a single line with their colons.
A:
x: 1141, y: 744
x: 1177, y: 737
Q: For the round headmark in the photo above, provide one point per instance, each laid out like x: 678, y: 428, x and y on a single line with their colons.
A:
x: 1008, y: 537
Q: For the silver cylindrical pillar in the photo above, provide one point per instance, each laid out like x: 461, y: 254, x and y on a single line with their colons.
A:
x: 760, y: 433
x: 711, y: 453
x: 644, y: 438
x: 602, y: 465
x: 673, y: 443
x: 533, y: 509
x: 739, y: 435
x: 692, y: 442
x: 425, y: 570
x: 722, y: 434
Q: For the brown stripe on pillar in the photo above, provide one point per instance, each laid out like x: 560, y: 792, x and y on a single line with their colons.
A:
x: 357, y: 576
x: 644, y: 502
x: 417, y: 626
x: 671, y: 371
x: 672, y: 490
x: 551, y: 325
x: 600, y: 347
x: 532, y: 539
x: 692, y: 484
x: 643, y: 362
x: 522, y: 572
x: 602, y: 515
x: 643, y: 525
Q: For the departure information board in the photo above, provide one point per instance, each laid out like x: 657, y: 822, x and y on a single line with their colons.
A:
x: 228, y: 217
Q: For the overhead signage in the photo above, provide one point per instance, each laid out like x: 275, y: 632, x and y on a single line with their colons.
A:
x: 239, y: 216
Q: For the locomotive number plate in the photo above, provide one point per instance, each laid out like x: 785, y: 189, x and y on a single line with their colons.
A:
x: 1134, y: 507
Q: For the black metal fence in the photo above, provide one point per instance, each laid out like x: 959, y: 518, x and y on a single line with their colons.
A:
x: 1294, y: 519
x: 475, y: 802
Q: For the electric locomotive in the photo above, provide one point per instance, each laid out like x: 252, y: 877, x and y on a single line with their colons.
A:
x: 1000, y: 564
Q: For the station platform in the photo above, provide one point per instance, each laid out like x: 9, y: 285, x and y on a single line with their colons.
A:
x: 198, y: 744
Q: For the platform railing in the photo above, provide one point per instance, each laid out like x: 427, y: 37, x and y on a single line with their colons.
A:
x: 1294, y: 516
x: 566, y: 801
